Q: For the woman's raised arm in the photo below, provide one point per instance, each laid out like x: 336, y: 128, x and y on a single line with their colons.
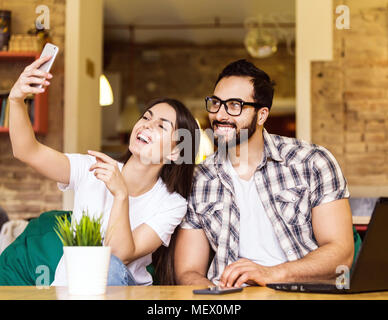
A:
x: 47, y: 161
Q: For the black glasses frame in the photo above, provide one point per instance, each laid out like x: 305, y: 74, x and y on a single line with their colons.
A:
x: 223, y: 102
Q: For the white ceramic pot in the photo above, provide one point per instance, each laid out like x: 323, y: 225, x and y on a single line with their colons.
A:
x: 87, y: 269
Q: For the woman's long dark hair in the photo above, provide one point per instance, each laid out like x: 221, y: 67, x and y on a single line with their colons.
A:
x: 177, y: 178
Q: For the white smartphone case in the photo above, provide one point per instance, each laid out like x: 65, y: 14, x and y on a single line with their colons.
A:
x: 48, y: 50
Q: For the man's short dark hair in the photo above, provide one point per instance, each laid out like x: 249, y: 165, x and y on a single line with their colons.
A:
x: 263, y: 86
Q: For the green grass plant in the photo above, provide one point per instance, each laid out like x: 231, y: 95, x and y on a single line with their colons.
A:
x: 85, y: 232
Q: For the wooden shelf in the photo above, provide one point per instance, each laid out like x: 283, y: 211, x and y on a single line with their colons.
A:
x: 40, y: 124
x: 19, y: 54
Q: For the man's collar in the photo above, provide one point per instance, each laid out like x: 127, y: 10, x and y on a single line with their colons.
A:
x: 270, y: 149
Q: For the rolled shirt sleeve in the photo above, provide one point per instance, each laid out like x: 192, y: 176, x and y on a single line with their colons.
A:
x: 327, y: 182
x: 191, y: 220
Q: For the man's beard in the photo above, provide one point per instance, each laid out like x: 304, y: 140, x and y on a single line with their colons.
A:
x: 237, y: 138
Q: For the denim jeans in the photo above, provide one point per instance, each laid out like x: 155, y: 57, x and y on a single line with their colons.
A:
x: 119, y: 275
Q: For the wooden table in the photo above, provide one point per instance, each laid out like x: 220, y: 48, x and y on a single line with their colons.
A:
x: 176, y: 293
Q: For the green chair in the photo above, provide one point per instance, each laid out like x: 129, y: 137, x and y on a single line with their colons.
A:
x: 38, y: 245
x: 357, y: 244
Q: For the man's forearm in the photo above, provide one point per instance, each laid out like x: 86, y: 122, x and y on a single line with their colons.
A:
x: 194, y: 278
x: 319, y: 264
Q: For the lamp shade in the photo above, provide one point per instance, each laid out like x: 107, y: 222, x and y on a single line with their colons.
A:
x: 260, y: 44
x: 106, y: 94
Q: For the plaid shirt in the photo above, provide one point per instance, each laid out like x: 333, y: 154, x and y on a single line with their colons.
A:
x: 293, y: 177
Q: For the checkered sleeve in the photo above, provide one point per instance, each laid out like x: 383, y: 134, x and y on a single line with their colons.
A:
x: 191, y: 220
x: 327, y: 180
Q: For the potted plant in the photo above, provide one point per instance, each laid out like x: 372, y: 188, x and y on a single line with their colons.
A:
x: 86, y: 259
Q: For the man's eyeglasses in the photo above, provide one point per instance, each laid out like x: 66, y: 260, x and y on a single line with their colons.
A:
x: 232, y: 106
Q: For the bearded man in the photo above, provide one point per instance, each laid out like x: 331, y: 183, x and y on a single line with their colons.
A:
x: 270, y: 208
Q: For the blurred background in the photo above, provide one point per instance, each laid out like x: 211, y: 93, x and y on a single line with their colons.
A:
x: 177, y: 49
x: 329, y: 59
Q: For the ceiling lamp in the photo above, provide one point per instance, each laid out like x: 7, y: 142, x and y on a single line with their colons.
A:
x: 258, y: 42
x: 106, y: 94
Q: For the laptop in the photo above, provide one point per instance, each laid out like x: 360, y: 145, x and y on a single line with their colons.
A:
x: 369, y: 272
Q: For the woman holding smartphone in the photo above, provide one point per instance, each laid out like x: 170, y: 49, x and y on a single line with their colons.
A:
x: 142, y: 199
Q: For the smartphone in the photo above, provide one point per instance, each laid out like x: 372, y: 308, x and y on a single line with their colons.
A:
x: 217, y: 290
x: 48, y: 50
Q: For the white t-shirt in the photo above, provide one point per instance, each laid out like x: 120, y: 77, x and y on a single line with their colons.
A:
x: 158, y: 208
x: 258, y: 241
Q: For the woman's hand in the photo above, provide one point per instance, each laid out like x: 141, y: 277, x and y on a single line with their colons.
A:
x: 31, y: 75
x: 107, y: 170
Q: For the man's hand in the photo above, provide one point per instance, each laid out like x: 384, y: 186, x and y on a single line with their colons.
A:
x: 332, y: 226
x: 245, y: 271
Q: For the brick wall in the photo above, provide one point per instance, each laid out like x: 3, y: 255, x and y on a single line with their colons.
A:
x: 350, y: 97
x: 23, y: 192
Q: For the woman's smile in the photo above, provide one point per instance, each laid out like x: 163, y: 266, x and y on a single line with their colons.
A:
x: 144, y: 138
